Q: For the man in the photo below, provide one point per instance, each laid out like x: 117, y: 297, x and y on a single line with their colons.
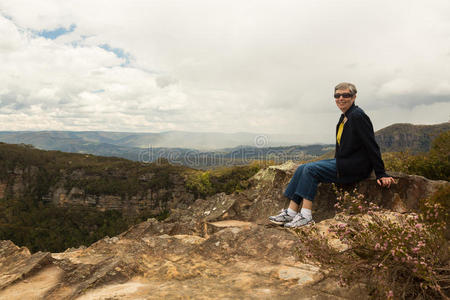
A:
x: 356, y: 155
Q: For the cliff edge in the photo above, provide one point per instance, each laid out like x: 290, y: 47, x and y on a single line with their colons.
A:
x: 221, y: 247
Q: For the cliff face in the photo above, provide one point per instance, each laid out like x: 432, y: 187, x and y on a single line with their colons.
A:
x: 106, y: 183
x: 71, y: 188
x: 221, y: 247
x: 415, y: 138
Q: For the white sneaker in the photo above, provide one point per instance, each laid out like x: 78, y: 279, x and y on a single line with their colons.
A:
x: 299, y: 221
x: 282, y: 218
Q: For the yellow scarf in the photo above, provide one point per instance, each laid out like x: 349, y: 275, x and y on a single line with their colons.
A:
x: 339, y: 134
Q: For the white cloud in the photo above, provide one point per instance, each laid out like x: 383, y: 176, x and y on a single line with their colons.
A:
x: 397, y: 86
x: 261, y: 66
x: 441, y: 87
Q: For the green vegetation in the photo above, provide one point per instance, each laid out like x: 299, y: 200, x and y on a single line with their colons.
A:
x: 395, y: 257
x: 47, y: 228
x: 225, y: 179
x: 28, y: 218
x: 441, y: 198
x: 98, y: 175
x: 42, y: 227
x: 435, y: 164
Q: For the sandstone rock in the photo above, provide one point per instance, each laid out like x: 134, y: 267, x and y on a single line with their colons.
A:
x: 35, y: 286
x: 240, y: 261
x: 220, y: 247
x: 17, y: 263
x: 266, y: 193
x: 330, y: 287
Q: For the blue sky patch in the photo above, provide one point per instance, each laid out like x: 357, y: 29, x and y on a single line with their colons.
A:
x: 120, y: 53
x: 53, y: 34
x: 6, y: 16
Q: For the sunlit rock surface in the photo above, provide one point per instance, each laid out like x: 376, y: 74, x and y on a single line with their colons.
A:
x: 216, y: 248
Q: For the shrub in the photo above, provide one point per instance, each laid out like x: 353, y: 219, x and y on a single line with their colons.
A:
x: 441, y: 197
x: 226, y: 179
x: 199, y: 184
x: 395, y: 256
x: 398, y: 161
x: 51, y: 228
x: 434, y: 164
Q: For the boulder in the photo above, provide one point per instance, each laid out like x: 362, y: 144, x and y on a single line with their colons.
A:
x: 17, y: 263
x: 265, y: 196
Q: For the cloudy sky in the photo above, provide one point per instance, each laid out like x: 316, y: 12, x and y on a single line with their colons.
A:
x: 227, y: 66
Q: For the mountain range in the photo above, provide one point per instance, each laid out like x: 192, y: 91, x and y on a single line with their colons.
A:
x: 203, y: 150
x: 194, y: 149
x: 169, y: 139
x: 414, y: 138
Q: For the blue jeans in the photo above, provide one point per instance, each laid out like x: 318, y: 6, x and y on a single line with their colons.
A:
x: 307, y: 177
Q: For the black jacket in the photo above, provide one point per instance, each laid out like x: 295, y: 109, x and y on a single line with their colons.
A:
x: 358, y: 153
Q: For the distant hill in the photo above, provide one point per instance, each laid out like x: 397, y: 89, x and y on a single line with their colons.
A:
x: 218, y: 148
x: 414, y: 138
x: 148, y: 147
x: 55, y: 140
x: 404, y: 137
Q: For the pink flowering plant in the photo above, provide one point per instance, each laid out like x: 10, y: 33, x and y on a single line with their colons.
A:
x: 395, y: 256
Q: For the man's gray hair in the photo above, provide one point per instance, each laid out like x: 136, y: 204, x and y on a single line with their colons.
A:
x: 346, y: 85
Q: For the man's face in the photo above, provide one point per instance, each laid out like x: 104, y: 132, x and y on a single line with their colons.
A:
x: 344, y: 99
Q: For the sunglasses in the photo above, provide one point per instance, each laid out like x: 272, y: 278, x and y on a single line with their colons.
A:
x: 345, y: 95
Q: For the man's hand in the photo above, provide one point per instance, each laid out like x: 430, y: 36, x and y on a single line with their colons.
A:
x: 386, y: 181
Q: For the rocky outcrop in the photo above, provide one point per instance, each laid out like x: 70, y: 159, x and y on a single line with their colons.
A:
x: 238, y: 260
x: 221, y: 247
x: 16, y: 263
x: 266, y: 194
